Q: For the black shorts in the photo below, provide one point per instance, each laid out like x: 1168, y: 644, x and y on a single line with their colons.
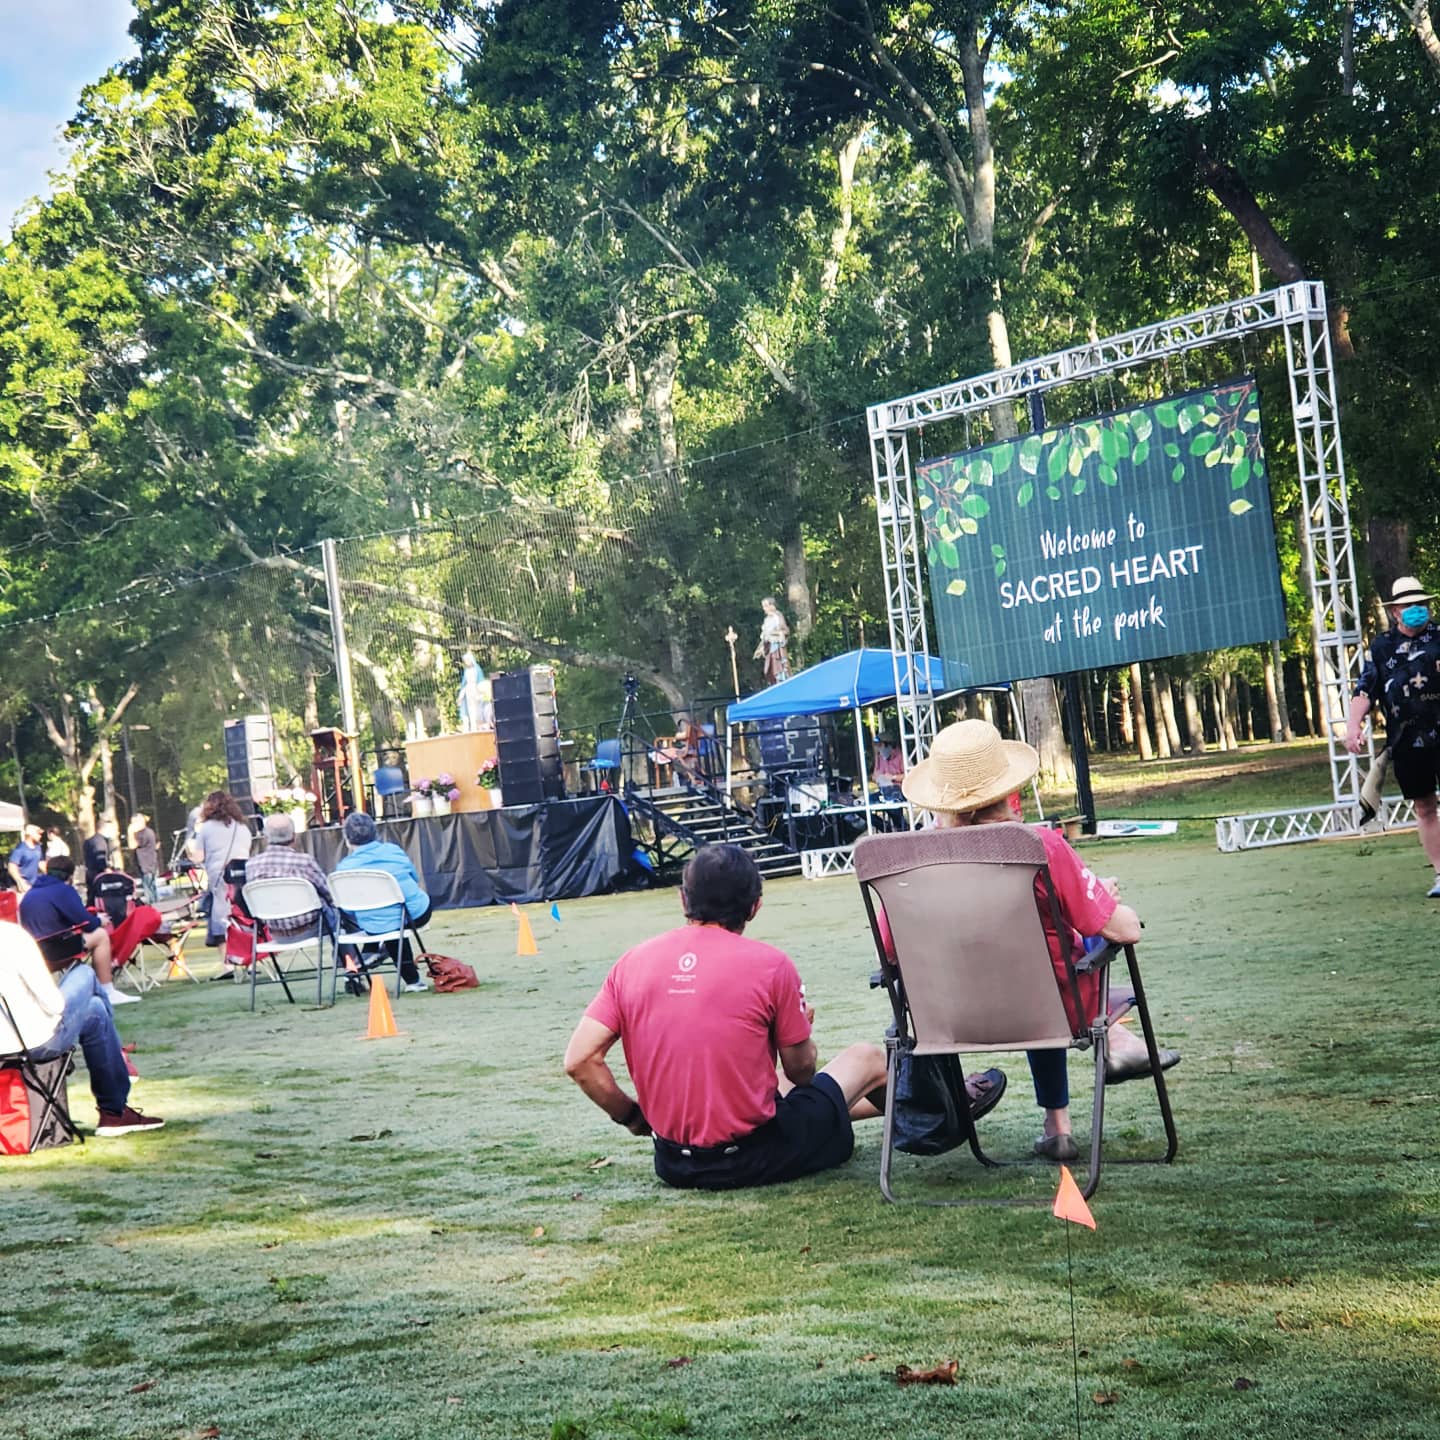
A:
x: 810, y: 1132
x: 1416, y: 770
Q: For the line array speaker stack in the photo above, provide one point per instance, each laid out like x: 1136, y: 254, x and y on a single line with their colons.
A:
x: 249, y: 760
x: 527, y: 736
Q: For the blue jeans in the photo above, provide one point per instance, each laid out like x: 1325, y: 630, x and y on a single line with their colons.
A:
x: 88, y: 1019
x: 1052, y: 1080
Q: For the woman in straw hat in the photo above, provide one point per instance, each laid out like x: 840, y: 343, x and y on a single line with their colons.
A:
x: 974, y: 777
x: 1402, y: 676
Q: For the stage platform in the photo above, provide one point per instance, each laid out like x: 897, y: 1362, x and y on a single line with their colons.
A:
x: 560, y: 850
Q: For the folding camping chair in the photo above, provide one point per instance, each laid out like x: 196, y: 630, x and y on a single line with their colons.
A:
x: 282, y: 898
x: 971, y: 968
x: 356, y: 891
x: 45, y: 1080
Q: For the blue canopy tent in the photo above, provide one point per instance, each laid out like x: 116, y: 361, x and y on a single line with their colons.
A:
x: 845, y: 682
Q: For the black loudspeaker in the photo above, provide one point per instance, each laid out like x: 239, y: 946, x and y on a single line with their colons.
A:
x: 527, y: 736
x: 249, y: 760
x: 793, y: 743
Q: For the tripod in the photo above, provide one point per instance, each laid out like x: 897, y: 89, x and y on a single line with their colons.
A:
x: 633, y: 750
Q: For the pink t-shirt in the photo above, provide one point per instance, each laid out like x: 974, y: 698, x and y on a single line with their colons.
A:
x: 701, y: 1013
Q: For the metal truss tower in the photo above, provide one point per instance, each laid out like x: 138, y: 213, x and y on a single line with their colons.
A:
x: 1299, y: 311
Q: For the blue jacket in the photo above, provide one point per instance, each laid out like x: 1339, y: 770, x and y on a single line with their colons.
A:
x: 383, y: 855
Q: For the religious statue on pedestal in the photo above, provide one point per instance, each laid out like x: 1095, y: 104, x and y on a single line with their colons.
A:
x: 774, y: 637
x: 477, y: 709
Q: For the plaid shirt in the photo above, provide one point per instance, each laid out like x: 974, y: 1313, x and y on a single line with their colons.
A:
x: 285, y: 862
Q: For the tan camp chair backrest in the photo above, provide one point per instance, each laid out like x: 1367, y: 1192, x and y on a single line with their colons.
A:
x: 968, y: 939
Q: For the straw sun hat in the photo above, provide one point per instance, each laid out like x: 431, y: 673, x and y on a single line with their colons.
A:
x: 968, y: 768
x: 1408, y: 591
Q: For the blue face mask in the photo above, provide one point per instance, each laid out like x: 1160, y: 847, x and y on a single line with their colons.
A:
x: 1415, y: 616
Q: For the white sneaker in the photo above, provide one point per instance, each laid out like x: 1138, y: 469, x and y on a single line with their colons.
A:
x: 415, y: 987
x: 117, y: 996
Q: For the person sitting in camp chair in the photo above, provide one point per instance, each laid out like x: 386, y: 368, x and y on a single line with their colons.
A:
x: 112, y: 897
x: 53, y: 912
x: 974, y: 777
x: 54, y: 1013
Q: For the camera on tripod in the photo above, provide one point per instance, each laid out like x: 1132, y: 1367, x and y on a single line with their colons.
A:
x: 632, y: 687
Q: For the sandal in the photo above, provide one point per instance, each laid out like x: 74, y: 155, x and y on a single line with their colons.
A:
x: 984, y: 1089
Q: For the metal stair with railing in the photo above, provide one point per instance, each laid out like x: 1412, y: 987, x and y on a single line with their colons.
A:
x: 685, y: 817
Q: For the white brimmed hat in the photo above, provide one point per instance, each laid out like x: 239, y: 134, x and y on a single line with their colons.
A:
x: 969, y: 767
x: 1408, y: 590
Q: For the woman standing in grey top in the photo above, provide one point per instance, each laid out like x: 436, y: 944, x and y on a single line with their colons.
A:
x: 222, y: 835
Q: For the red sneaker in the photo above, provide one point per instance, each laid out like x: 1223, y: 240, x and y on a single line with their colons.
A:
x: 126, y: 1122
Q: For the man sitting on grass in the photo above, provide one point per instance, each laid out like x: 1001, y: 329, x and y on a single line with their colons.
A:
x: 53, y: 1018
x: 703, y: 1014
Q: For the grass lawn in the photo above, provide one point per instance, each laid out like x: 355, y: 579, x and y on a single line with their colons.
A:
x: 437, y: 1236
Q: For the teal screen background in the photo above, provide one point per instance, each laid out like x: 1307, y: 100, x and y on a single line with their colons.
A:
x: 1130, y: 536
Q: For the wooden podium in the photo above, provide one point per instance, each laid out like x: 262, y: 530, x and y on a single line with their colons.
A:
x: 457, y: 755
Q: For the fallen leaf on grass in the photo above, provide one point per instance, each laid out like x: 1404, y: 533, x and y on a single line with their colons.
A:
x: 537, y: 1232
x: 600, y: 1164
x: 1105, y: 1397
x: 452, y: 1399
x: 378, y: 1135
x: 939, y: 1375
x: 678, y: 1361
x: 1380, y: 1100
x: 1244, y: 1383
x: 142, y: 1387
x: 865, y: 1359
x: 418, y: 1320
x: 804, y: 1249
x: 264, y: 1154
x: 578, y: 1195
x: 210, y: 1432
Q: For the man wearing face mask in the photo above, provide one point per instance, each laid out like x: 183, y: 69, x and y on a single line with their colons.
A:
x: 1402, y: 676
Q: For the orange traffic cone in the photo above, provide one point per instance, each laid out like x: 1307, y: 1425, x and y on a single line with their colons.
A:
x: 382, y: 1017
x: 525, y: 939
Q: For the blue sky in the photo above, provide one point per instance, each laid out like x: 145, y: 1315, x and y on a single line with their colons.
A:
x: 49, y: 50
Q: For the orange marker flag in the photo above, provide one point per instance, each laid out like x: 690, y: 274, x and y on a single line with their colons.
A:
x: 1070, y: 1203
x: 382, y: 1017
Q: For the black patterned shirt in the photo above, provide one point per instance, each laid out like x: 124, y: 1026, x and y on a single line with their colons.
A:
x: 1402, y: 677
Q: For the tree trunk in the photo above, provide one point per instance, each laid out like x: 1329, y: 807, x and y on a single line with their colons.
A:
x: 1162, y: 736
x: 1142, y: 722
x: 1277, y: 675
x: 19, y: 773
x: 312, y: 702
x: 1167, y: 714
x: 1228, y: 707
x: 108, y: 823
x: 1272, y: 702
x: 1217, y: 715
x: 1127, y: 718
x: 1107, y: 735
x: 847, y: 153
x: 1417, y: 12
x: 1387, y: 542
x: 1310, y: 727
x: 1193, y: 723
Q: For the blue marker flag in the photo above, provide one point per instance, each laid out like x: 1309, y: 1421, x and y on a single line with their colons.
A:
x: 555, y: 912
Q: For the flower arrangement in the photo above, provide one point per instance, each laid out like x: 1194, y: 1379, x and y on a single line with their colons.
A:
x: 421, y: 786
x: 279, y: 802
x: 489, y: 774
x: 453, y: 794
x: 445, y: 781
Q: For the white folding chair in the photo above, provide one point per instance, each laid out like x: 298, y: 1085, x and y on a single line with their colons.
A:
x: 355, y: 892
x: 283, y: 897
